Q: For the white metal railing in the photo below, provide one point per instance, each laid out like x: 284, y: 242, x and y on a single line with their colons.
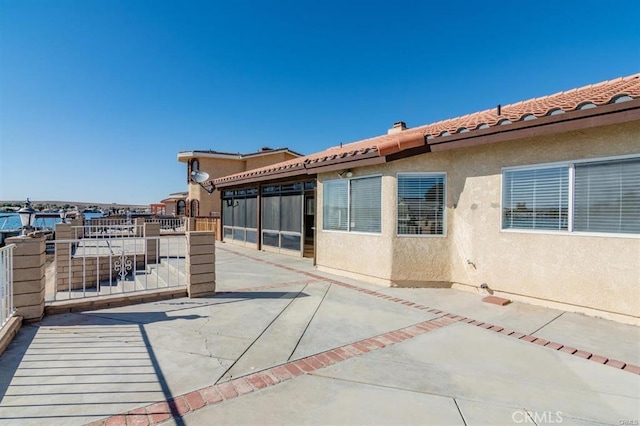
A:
x: 94, y: 267
x: 114, y: 230
x: 6, y: 284
x: 105, y: 221
x: 169, y: 224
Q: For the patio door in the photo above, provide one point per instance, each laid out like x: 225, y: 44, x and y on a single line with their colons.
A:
x: 309, y: 225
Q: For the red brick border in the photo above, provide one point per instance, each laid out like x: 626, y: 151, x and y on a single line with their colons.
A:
x: 214, y: 394
x: 630, y: 368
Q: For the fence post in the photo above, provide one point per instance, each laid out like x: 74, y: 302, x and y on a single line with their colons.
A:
x: 28, y: 276
x: 201, y: 263
x: 64, y: 231
x: 152, y: 229
x: 139, y: 222
x: 78, y: 223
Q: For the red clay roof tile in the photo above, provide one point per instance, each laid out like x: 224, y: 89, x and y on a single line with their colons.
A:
x: 598, y: 94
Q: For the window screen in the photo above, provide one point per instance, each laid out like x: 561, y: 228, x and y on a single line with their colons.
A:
x: 536, y: 198
x: 334, y: 205
x: 365, y: 205
x: 421, y: 204
x: 607, y: 196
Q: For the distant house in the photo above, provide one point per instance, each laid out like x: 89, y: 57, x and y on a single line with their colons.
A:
x: 539, y: 200
x: 217, y: 164
x: 176, y: 204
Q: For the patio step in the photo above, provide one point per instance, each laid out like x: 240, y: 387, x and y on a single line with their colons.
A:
x: 162, y: 275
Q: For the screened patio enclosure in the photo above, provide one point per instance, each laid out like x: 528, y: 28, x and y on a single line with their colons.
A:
x: 277, y: 217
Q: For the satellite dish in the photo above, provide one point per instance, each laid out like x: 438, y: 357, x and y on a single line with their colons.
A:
x: 202, y: 179
x: 199, y: 177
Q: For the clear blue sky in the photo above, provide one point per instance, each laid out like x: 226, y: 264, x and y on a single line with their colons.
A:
x: 98, y: 97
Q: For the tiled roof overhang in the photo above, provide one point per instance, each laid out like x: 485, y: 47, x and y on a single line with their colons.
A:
x: 573, y: 120
x: 557, y: 113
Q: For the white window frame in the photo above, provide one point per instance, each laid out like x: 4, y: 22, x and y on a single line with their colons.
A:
x: 349, y: 231
x: 571, y: 189
x: 444, y: 205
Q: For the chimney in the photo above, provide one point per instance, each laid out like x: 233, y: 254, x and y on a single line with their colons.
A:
x: 397, y: 127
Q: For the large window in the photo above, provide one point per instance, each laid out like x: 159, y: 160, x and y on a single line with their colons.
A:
x: 240, y: 215
x: 352, y: 205
x: 421, y: 201
x: 282, y: 212
x: 586, y: 196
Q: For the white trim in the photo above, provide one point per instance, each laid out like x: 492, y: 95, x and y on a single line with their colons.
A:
x: 186, y: 155
x: 567, y: 233
x: 571, y: 197
x: 569, y: 162
x: 444, y: 206
x: 611, y: 158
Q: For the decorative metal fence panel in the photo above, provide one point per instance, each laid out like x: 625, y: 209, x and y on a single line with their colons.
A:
x: 108, y: 231
x: 6, y: 284
x: 169, y: 225
x: 115, y: 263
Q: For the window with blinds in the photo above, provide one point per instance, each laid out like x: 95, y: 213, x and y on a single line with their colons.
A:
x: 353, y: 205
x: 606, y: 197
x: 421, y: 201
x: 536, y: 198
x: 365, y: 206
x: 335, y: 200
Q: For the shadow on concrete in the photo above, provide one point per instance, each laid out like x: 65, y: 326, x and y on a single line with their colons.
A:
x: 12, y: 357
x: 36, y: 352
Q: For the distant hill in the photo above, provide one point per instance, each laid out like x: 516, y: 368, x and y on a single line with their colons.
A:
x: 79, y: 204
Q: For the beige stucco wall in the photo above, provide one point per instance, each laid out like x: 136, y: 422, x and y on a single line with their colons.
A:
x: 267, y: 159
x: 367, y: 256
x: 170, y: 208
x: 220, y: 167
x: 216, y: 167
x: 581, y: 272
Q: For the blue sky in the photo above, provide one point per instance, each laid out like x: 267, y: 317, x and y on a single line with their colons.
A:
x: 98, y: 97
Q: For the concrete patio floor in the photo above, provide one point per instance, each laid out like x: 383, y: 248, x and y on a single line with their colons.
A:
x: 282, y: 343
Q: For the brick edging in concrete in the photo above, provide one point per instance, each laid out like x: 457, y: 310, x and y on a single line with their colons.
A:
x: 631, y: 368
x: 180, y: 405
x: 621, y: 365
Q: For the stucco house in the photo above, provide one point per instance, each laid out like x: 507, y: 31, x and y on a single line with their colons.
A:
x: 176, y: 204
x: 537, y: 201
x: 199, y: 201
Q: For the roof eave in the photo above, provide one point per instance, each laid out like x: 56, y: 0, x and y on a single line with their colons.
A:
x: 275, y: 174
x: 569, y: 121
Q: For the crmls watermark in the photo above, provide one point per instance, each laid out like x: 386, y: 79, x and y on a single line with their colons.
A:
x: 537, y: 417
x: 628, y: 422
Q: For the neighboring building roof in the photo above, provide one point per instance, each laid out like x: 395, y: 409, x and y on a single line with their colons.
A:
x: 184, y: 156
x: 175, y: 196
x: 562, y: 111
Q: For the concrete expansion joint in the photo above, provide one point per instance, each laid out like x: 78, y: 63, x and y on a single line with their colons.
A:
x: 621, y: 365
x: 630, y: 368
x: 180, y: 405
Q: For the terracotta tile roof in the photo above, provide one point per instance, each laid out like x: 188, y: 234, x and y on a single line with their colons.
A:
x: 594, y: 95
